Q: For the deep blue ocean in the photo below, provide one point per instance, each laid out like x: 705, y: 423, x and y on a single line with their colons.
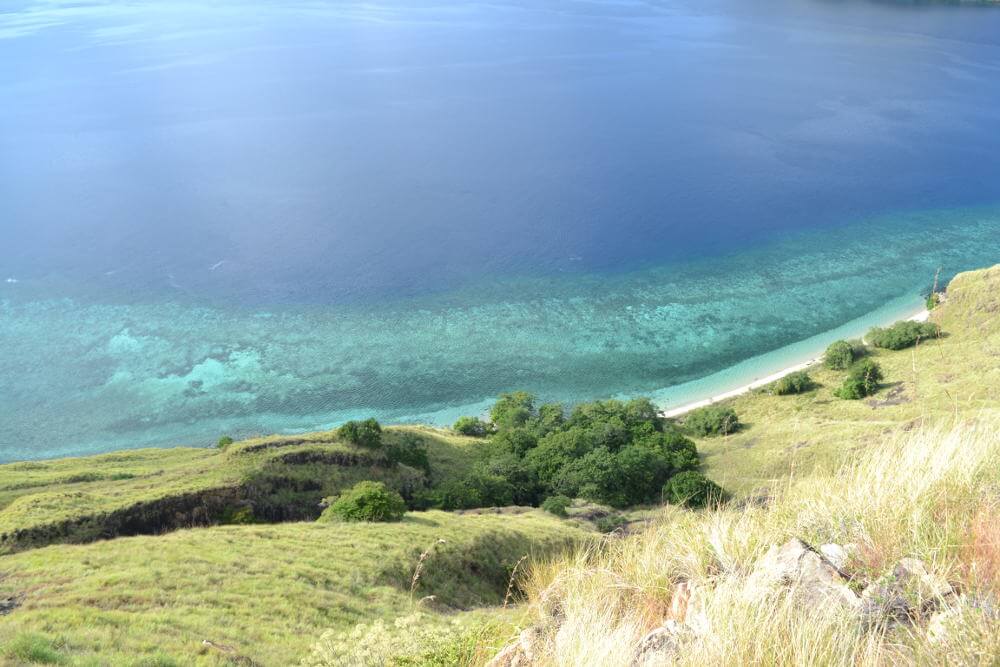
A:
x: 274, y: 215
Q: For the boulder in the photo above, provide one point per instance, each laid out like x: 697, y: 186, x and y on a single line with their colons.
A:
x: 810, y: 577
x: 661, y: 644
x: 836, y: 555
x: 910, y: 592
x: 525, y: 652
x: 951, y: 620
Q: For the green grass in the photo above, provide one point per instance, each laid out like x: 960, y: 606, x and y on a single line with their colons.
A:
x: 75, y: 500
x: 267, y: 591
x: 790, y: 436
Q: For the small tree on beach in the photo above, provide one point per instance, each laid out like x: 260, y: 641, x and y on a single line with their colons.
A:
x: 839, y: 356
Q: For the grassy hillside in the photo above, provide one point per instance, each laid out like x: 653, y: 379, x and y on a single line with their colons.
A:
x: 793, y: 435
x: 695, y: 578
x: 266, y: 582
x: 266, y: 591
x: 154, y: 490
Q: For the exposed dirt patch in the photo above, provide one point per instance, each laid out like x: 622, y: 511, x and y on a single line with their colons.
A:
x: 895, y: 396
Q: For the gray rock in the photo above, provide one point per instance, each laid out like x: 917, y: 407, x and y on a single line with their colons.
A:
x: 661, y: 645
x: 528, y: 650
x: 906, y: 595
x: 836, y: 555
x: 812, y: 579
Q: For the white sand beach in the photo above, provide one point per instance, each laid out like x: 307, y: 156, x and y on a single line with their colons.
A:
x: 920, y: 316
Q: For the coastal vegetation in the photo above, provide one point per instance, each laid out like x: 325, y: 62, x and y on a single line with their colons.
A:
x: 862, y: 380
x: 365, y: 501
x: 840, y: 355
x: 902, y: 334
x: 901, y: 474
x: 793, y: 383
x: 712, y: 420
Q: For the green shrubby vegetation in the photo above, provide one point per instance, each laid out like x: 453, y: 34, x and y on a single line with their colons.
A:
x: 793, y: 383
x: 613, y: 452
x: 862, y: 380
x: 471, y: 426
x: 712, y: 420
x: 933, y: 299
x: 556, y: 505
x: 224, y: 442
x: 367, y: 433
x: 840, y: 355
x: 366, y: 501
x: 902, y: 334
x: 692, y: 489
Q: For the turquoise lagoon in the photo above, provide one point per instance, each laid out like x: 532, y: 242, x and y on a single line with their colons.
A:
x: 96, y: 377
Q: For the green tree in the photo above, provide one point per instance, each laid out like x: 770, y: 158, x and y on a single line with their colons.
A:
x: 471, y: 426
x: 692, y: 489
x: 557, y: 505
x: 513, y: 409
x: 367, y: 433
x: 712, y: 420
x: 902, y: 334
x: 839, y: 356
x: 793, y: 383
x: 366, y: 501
x: 862, y: 380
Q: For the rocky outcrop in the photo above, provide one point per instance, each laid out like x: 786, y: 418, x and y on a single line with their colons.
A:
x: 810, y: 578
x: 804, y: 572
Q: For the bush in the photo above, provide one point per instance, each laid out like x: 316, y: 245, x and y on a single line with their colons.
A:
x: 471, y: 426
x: 557, y: 505
x: 839, y: 356
x: 513, y: 409
x: 862, y: 380
x: 366, y: 501
x: 32, y: 648
x: 410, y: 450
x: 933, y: 300
x: 692, y: 489
x: 610, y: 523
x: 367, y: 433
x: 712, y: 420
x: 902, y: 334
x: 793, y: 383
x: 224, y: 442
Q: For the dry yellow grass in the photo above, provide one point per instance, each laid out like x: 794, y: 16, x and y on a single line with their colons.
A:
x: 931, y: 494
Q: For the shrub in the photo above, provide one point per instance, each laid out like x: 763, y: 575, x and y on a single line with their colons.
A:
x: 513, y: 409
x: 366, y: 501
x: 471, y: 426
x: 793, y: 383
x: 367, y: 433
x: 839, y: 356
x: 32, y: 648
x: 692, y: 489
x: 409, y: 450
x: 610, y: 523
x: 902, y: 334
x: 712, y: 420
x: 556, y: 505
x: 224, y: 442
x: 933, y: 300
x: 862, y: 380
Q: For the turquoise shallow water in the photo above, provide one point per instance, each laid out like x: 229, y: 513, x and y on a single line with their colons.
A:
x: 93, y: 376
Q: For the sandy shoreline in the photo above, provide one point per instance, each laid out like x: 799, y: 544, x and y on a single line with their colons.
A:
x: 920, y: 316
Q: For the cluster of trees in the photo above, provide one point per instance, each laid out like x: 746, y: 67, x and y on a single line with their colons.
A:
x: 408, y: 449
x: 612, y: 452
x: 902, y: 334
